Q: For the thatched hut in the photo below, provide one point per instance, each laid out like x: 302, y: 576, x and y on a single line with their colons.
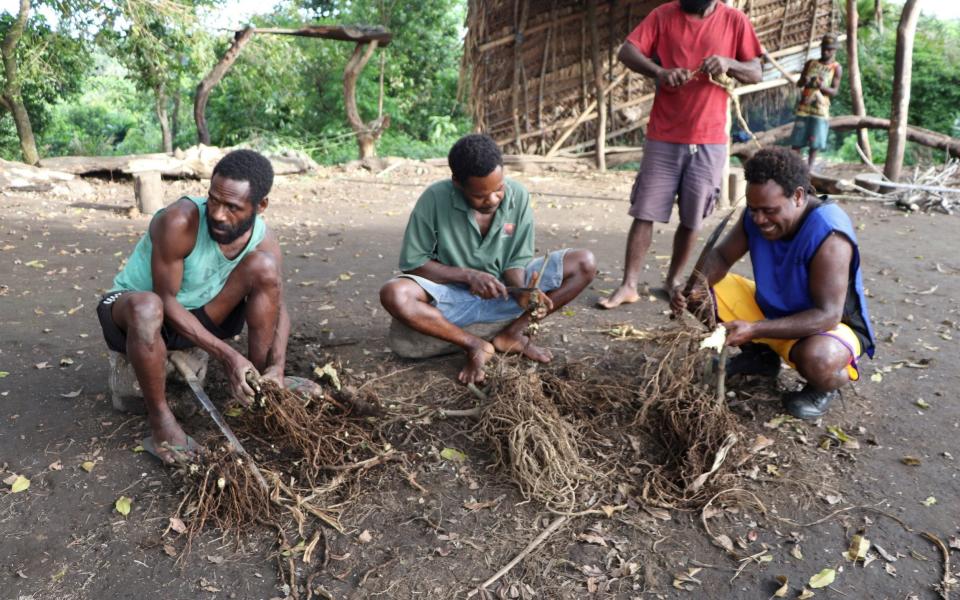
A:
x: 535, y: 66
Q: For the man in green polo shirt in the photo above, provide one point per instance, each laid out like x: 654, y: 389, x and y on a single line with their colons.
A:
x: 468, y: 255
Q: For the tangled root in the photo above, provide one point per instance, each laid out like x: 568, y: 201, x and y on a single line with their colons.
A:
x: 538, y: 446
x: 306, y: 448
x: 693, y: 427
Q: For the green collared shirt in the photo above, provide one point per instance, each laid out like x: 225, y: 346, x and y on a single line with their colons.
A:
x: 443, y: 228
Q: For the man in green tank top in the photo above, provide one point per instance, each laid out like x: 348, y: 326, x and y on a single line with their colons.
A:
x: 205, y: 267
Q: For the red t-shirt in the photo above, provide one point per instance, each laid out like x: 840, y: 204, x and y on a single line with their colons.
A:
x: 694, y: 113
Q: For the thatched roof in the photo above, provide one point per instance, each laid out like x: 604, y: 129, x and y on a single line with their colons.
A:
x: 531, y: 72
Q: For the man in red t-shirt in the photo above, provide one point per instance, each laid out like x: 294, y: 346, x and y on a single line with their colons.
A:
x: 681, y: 44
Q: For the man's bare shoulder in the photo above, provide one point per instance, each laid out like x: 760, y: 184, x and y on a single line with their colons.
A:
x: 177, y: 225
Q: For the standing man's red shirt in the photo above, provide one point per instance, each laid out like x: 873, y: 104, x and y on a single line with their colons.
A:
x: 696, y: 112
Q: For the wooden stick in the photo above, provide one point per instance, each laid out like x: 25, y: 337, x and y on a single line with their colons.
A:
x: 947, y: 582
x: 586, y: 114
x: 793, y: 78
x: 556, y: 524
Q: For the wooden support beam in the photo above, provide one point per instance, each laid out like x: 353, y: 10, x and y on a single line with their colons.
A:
x: 345, y: 33
x: 918, y: 135
x: 598, y: 85
x: 586, y: 115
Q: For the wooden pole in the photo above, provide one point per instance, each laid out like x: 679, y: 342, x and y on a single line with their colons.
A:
x: 903, y: 73
x: 856, y: 87
x: 601, y: 136
x: 213, y: 78
x: 148, y: 191
x: 520, y: 21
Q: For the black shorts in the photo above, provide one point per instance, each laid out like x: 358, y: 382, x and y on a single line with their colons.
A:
x: 117, y: 340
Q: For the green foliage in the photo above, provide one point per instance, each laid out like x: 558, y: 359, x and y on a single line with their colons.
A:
x: 51, y: 67
x: 878, y: 146
x: 99, y: 121
x: 934, y: 93
x: 290, y: 89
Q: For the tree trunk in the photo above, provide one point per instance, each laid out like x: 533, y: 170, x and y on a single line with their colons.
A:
x: 601, y: 137
x: 367, y: 133
x: 902, y: 75
x: 11, y: 98
x: 163, y: 118
x: 918, y: 135
x: 213, y: 78
x: 856, y: 88
x: 175, y: 119
x: 878, y: 15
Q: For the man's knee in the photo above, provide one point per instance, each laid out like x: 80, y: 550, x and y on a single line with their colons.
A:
x: 144, y: 316
x: 819, y: 360
x: 581, y: 263
x: 263, y: 270
x: 397, y: 295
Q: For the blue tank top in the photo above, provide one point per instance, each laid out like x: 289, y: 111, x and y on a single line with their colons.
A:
x: 782, y: 269
x: 205, y: 269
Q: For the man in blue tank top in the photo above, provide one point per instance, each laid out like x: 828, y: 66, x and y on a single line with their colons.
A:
x: 807, y: 304
x: 205, y: 267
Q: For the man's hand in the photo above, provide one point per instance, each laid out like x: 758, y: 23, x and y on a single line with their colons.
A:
x: 715, y: 65
x: 739, y: 332
x: 680, y: 301
x: 237, y: 367
x: 485, y: 285
x: 274, y: 374
x: 545, y: 304
x: 674, y: 77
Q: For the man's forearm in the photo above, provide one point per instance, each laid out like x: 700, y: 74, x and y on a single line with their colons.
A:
x: 714, y: 268
x: 798, y: 326
x: 746, y: 72
x: 438, y: 272
x: 634, y: 60
x: 277, y: 356
x: 187, y: 325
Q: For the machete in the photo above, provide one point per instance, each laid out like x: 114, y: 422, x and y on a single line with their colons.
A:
x: 233, y: 443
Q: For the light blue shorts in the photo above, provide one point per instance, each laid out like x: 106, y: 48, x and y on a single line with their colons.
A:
x: 460, y: 307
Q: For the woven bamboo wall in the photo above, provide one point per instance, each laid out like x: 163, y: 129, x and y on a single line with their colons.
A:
x: 530, y: 69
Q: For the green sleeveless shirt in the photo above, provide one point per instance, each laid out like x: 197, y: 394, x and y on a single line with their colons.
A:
x: 205, y: 269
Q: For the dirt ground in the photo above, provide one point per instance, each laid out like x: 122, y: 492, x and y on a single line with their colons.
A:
x: 341, y: 231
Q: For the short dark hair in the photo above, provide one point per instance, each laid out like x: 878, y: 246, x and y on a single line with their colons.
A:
x: 249, y: 166
x: 474, y: 155
x: 781, y: 165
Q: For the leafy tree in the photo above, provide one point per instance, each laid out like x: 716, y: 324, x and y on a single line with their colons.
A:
x: 44, y: 67
x: 935, y: 93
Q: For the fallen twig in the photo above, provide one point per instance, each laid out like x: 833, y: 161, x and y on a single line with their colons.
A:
x: 556, y: 524
x: 948, y: 580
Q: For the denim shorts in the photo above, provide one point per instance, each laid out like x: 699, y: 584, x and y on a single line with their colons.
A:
x: 461, y: 308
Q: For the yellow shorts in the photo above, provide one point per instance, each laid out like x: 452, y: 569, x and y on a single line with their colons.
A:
x: 736, y: 301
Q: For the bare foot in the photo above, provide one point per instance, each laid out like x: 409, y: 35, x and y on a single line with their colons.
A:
x: 166, y: 430
x: 521, y: 344
x: 623, y: 295
x: 472, y: 372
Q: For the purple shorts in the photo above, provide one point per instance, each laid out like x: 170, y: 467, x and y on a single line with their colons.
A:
x: 689, y: 172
